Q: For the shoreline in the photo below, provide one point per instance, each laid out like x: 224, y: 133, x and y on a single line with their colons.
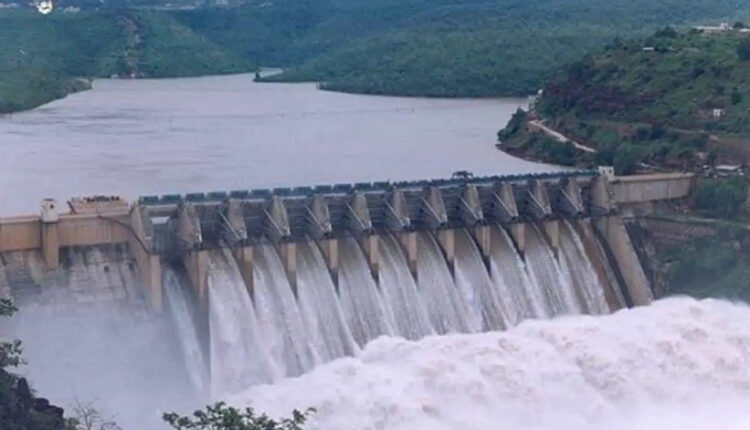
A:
x: 71, y: 86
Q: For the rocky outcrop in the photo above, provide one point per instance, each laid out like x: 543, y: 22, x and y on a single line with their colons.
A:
x: 21, y: 410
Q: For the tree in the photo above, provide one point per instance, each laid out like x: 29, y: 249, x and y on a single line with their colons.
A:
x: 87, y: 417
x: 738, y: 25
x: 223, y: 417
x: 743, y: 49
x: 626, y: 161
x: 668, y: 32
x: 20, y: 409
x: 10, y: 352
x: 515, y: 124
x: 736, y: 97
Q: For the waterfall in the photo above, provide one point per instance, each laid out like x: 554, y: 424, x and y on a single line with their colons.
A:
x: 238, y: 358
x: 360, y: 299
x: 181, y: 309
x: 545, y: 270
x: 520, y: 297
x: 279, y: 317
x: 581, y: 270
x: 263, y: 333
x: 319, y: 305
x: 445, y: 306
x: 614, y: 284
x: 400, y: 292
x: 473, y: 281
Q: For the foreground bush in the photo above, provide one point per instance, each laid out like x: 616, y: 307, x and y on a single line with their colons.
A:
x: 223, y: 417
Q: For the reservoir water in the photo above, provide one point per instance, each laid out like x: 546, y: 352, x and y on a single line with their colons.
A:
x: 142, y: 137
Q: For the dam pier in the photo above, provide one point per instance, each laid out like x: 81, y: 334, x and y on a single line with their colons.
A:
x: 325, y: 269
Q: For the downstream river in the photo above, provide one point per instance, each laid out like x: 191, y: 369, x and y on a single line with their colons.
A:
x: 142, y: 137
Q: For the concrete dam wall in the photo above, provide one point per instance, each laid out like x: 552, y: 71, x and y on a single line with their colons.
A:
x: 265, y: 284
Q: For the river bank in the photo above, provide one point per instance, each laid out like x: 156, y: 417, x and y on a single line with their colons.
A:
x: 31, y: 90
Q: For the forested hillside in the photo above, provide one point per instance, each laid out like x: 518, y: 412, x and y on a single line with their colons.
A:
x: 490, y: 48
x: 410, y: 47
x: 675, y: 100
x: 41, y: 55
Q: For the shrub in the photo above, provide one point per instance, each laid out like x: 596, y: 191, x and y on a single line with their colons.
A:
x: 736, y: 97
x: 668, y: 32
x: 515, y: 124
x: 626, y: 160
x: 743, y: 49
x: 223, y: 417
x: 721, y: 198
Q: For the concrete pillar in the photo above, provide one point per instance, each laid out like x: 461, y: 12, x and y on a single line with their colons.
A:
x: 552, y: 234
x: 518, y: 234
x: 330, y: 250
x: 196, y: 264
x: 447, y: 240
x: 573, y: 194
x: 288, y: 254
x: 50, y: 243
x: 318, y: 218
x: 471, y: 206
x: 50, y: 246
x: 538, y: 201
x: 371, y: 250
x: 483, y: 238
x: 149, y: 265
x: 541, y: 209
x: 277, y: 220
x: 614, y: 232
x: 601, y: 195
x: 397, y: 214
x: 244, y: 258
x: 606, y: 276
x: 152, y: 275
x: 505, y: 208
x: 409, y: 243
x: 434, y: 208
x: 189, y: 234
x: 359, y: 214
x: 234, y: 230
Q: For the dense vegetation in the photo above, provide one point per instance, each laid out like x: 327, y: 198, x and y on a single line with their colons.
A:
x: 20, y: 409
x: 223, y: 417
x: 671, y: 100
x: 721, y: 198
x: 712, y: 266
x: 678, y: 84
x: 490, y: 48
x: 40, y: 55
x: 410, y: 47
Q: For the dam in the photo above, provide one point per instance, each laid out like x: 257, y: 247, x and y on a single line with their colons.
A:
x: 265, y: 284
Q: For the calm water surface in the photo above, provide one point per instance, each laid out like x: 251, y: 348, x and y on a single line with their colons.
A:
x: 134, y: 138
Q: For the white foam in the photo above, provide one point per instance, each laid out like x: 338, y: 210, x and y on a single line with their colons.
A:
x: 678, y: 364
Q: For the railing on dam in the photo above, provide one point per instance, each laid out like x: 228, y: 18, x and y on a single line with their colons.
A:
x: 198, y: 220
x: 305, y: 191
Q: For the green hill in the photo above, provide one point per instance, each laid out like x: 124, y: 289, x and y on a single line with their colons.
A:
x: 490, y: 48
x: 670, y: 100
x: 454, y: 48
x: 40, y: 55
